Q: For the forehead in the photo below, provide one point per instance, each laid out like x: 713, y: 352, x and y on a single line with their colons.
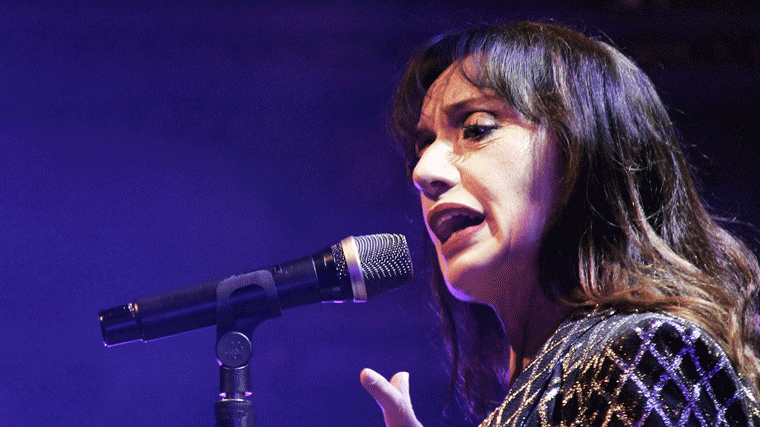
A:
x: 452, y: 91
x: 449, y: 87
x: 452, y: 81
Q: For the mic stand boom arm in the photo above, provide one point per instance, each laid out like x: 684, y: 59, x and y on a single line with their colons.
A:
x: 233, y: 345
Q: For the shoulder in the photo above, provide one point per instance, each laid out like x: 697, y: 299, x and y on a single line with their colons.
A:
x: 634, y: 338
x: 653, y: 367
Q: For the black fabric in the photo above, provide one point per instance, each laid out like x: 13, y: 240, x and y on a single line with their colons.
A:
x: 639, y: 369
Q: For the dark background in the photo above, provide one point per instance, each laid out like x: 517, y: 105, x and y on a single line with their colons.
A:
x: 146, y: 147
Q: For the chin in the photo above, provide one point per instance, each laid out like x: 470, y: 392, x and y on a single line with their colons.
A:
x: 465, y: 285
x: 461, y: 295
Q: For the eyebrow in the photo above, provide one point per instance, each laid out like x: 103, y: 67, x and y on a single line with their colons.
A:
x: 452, y: 110
x: 457, y: 107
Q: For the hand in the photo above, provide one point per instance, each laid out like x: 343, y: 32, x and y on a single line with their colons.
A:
x: 393, y: 397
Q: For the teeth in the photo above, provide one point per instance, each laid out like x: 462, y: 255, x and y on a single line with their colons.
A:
x: 448, y: 215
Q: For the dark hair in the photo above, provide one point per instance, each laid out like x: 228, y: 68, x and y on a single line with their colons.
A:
x: 631, y: 231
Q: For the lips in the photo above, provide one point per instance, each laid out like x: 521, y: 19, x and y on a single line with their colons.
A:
x: 448, y: 220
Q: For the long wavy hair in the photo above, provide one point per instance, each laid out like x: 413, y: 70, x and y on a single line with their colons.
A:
x: 631, y: 231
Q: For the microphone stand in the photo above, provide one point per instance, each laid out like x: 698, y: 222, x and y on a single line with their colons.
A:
x: 234, y: 349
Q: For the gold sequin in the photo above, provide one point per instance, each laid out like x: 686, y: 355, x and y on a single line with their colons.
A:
x: 612, y: 369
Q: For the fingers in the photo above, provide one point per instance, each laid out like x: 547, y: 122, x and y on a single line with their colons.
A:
x: 385, y: 393
x: 393, y: 397
x: 401, y: 382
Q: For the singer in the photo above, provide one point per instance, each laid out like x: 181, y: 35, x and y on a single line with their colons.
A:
x: 577, y: 268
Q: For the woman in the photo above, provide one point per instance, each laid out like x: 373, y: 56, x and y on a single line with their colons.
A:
x: 576, y: 264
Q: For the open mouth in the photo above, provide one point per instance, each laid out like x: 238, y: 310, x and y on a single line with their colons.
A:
x: 447, y: 222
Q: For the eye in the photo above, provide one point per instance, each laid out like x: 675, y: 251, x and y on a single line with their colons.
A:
x: 421, y: 143
x: 477, y: 132
x: 478, y: 125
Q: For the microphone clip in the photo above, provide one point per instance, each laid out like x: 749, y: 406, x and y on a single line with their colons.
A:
x: 234, y: 348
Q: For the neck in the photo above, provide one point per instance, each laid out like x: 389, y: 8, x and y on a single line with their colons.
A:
x: 528, y: 322
x: 516, y: 366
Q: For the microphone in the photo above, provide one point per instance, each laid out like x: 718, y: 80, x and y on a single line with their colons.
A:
x: 356, y: 268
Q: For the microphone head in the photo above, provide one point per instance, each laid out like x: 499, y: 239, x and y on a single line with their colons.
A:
x: 375, y: 263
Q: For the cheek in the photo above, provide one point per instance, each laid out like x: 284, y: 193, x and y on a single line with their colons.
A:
x: 547, y: 186
x: 426, y: 205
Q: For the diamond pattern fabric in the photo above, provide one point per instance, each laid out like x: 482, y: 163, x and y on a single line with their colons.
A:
x: 638, y: 369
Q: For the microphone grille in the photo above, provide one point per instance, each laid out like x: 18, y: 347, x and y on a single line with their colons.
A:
x: 385, y: 261
x: 341, y: 267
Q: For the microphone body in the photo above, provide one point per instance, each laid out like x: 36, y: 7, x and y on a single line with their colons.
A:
x: 357, y: 268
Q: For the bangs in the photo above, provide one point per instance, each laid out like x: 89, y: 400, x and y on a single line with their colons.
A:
x: 517, y: 69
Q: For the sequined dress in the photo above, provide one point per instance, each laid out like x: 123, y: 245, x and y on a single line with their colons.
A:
x: 640, y: 369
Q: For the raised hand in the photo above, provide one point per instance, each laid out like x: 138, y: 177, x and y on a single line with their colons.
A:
x: 393, y: 397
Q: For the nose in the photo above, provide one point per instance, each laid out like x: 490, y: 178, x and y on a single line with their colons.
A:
x: 435, y: 173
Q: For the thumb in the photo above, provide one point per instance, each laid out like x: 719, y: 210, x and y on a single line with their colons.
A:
x: 385, y: 393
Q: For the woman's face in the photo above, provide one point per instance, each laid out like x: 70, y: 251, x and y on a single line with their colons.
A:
x: 487, y: 181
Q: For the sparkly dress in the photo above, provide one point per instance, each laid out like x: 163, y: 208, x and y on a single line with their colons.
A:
x: 640, y: 369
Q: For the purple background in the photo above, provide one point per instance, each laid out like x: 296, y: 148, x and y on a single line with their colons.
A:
x: 146, y: 147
